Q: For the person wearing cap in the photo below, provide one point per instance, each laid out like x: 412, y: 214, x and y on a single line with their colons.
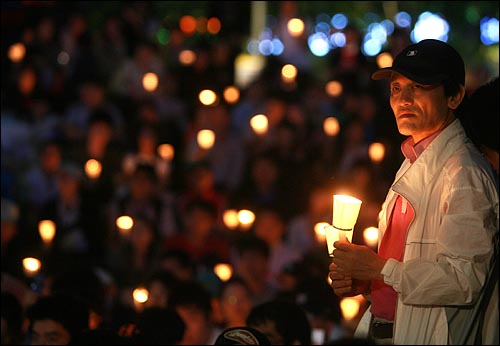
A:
x: 439, y: 218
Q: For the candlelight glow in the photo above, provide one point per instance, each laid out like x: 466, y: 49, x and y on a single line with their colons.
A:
x: 31, y: 266
x: 345, y: 214
x: 370, y: 236
x: 350, y: 307
x: 295, y: 27
x: 166, y: 151
x: 140, y: 295
x: 47, y: 230
x: 150, y: 81
x: 320, y: 231
x: 17, y: 52
x: 93, y: 168
x: 246, y: 218
x: 334, y: 88
x: 223, y: 270
x: 331, y: 126
x: 207, y: 97
x: 384, y: 60
x: 259, y: 124
x: 288, y: 73
x: 187, y: 57
x: 206, y: 139
x: 231, y: 94
x: 124, y: 223
x: 376, y: 151
x: 230, y: 218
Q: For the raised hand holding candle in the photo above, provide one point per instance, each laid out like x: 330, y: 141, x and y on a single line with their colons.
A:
x: 345, y: 214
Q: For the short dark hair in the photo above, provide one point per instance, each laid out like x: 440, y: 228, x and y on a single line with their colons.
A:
x: 71, y: 312
x: 289, y: 318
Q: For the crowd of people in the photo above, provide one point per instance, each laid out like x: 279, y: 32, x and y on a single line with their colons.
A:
x: 56, y: 117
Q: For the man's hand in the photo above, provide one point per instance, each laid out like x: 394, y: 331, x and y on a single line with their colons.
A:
x: 357, y: 262
x: 344, y: 286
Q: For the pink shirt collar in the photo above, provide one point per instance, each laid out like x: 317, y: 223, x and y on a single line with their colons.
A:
x: 412, y: 150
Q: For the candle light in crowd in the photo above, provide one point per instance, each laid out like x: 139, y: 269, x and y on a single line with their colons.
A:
x: 17, y: 52
x: 166, y: 151
x: 187, y: 57
x: 288, y: 73
x: 320, y: 231
x: 370, y: 236
x: 47, y: 231
x: 93, y: 168
x: 295, y: 27
x: 208, y: 97
x: 334, y: 88
x: 345, y: 214
x: 205, y: 139
x: 350, y: 307
x: 259, y: 124
x: 246, y: 218
x: 224, y: 271
x: 140, y: 295
x: 230, y: 218
x: 124, y: 224
x: 376, y: 152
x: 231, y: 94
x: 31, y: 266
x: 384, y: 60
x: 150, y: 81
x: 331, y: 126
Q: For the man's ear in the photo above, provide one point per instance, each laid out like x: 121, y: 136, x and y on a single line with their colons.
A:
x: 455, y: 100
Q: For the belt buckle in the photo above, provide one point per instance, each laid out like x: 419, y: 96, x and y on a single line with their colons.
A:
x: 381, y: 330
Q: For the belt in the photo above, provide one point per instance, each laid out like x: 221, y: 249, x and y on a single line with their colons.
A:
x: 381, y: 330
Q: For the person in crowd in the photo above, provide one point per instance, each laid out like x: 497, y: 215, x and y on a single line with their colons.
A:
x: 314, y: 295
x: 282, y: 321
x: 200, y: 236
x: 481, y: 120
x: 481, y: 123
x: 270, y: 226
x: 79, y: 222
x: 241, y: 335
x: 12, y: 320
x: 439, y: 218
x: 159, y: 326
x: 193, y: 302
x: 180, y: 263
x: 301, y: 236
x: 252, y: 263
x: 140, y: 196
x: 160, y: 285
x: 234, y: 302
x: 56, y: 320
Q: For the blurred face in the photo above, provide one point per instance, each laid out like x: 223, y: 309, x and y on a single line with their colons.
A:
x: 197, y: 325
x: 49, y: 332
x: 420, y: 110
x: 235, y: 304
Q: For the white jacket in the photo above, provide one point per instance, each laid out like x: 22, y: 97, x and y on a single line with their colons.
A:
x: 449, y: 243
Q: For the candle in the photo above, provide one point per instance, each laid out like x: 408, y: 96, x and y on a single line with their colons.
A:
x: 345, y: 214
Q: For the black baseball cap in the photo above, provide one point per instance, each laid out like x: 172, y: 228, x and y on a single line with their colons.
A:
x: 427, y: 62
x: 242, y: 336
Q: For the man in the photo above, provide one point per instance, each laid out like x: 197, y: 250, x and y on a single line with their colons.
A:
x: 56, y: 320
x: 439, y: 218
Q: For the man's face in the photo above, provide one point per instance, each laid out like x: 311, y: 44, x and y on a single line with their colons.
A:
x: 420, y: 110
x: 49, y: 332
